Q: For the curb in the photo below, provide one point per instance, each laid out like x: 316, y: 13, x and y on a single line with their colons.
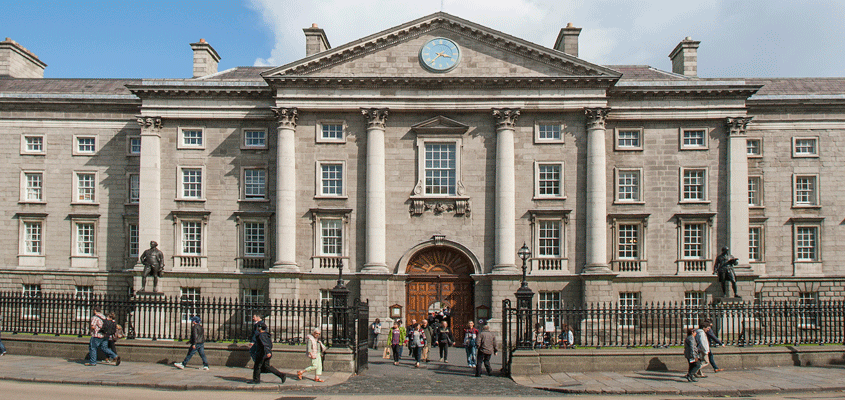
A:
x: 263, y: 387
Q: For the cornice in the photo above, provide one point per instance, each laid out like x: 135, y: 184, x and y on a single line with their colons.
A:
x: 201, y: 89
x: 569, y: 65
x: 441, y: 82
x: 715, y: 91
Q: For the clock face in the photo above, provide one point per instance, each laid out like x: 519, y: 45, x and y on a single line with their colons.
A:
x: 440, y: 55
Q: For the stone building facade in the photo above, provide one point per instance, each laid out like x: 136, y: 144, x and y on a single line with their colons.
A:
x: 418, y: 160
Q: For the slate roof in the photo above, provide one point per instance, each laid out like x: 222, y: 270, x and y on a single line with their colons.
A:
x: 67, y: 86
x: 646, y: 73
x: 238, y: 74
x: 799, y: 86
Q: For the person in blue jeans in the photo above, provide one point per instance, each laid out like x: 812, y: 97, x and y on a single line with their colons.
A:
x: 197, y: 343
x: 470, y: 335
x: 99, y: 341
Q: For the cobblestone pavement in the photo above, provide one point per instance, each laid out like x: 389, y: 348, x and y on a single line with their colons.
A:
x: 455, y: 378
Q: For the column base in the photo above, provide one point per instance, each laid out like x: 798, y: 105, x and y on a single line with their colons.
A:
x: 506, y: 269
x: 285, y: 267
x: 375, y: 269
x: 597, y: 269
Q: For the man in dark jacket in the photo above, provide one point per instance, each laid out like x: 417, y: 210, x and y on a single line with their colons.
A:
x: 487, y: 347
x: 256, y: 323
x: 264, y: 349
x: 197, y: 343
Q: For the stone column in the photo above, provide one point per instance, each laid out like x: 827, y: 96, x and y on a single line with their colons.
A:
x: 505, y: 211
x: 286, y: 191
x: 149, y: 201
x: 737, y: 164
x: 596, y: 215
x: 376, y: 261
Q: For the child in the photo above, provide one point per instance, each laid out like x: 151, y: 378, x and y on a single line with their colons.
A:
x: 691, y: 353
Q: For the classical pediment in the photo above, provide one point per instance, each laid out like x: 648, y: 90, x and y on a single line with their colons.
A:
x: 440, y: 125
x: 485, y: 54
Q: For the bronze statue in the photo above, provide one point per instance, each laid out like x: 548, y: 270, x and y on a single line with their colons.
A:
x: 724, y: 266
x: 153, y: 260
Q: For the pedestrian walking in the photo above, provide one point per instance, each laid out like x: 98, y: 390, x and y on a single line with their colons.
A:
x: 408, y: 342
x: 444, y: 340
x: 376, y: 328
x: 403, y: 339
x: 197, y: 345
x: 692, y: 354
x: 418, y: 342
x: 487, y: 347
x: 101, y: 330
x: 395, y: 340
x: 264, y: 347
x: 428, y: 329
x: 314, y: 349
x: 257, y: 322
x: 708, y: 341
x: 470, y: 335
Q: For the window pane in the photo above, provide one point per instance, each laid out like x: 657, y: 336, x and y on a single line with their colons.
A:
x: 85, y: 239
x: 255, y: 183
x: 32, y: 237
x: 192, y: 183
x: 331, y: 237
x: 629, y: 186
x: 86, y: 144
x: 629, y: 241
x: 34, y: 144
x: 34, y: 186
x: 31, y: 307
x: 192, y: 238
x: 332, y: 131
x: 549, y: 239
x: 255, y: 138
x: 85, y: 187
x: 549, y: 132
x: 753, y: 147
x: 754, y: 191
x: 693, y: 138
x: 549, y: 180
x: 133, y: 240
x: 134, y: 188
x: 693, y: 184
x: 135, y: 145
x: 693, y: 302
x: 805, y: 190
x: 440, y: 170
x: 192, y: 137
x: 805, y: 146
x: 254, y: 239
x: 190, y: 296
x: 629, y: 138
x: 754, y: 244
x: 332, y: 179
x: 83, y: 296
x: 805, y: 243
x: 693, y: 240
x: 628, y: 303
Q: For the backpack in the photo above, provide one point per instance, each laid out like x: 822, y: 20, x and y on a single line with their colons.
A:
x: 109, y: 328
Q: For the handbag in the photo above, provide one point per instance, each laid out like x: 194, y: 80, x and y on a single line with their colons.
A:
x: 386, y: 354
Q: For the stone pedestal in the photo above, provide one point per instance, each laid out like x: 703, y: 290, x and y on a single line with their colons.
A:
x: 339, y: 359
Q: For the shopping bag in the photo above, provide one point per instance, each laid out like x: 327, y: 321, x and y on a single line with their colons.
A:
x: 386, y: 354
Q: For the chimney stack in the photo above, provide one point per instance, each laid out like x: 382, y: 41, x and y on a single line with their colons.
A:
x: 205, y: 59
x: 315, y: 40
x: 567, y: 40
x: 685, y: 57
x: 18, y: 62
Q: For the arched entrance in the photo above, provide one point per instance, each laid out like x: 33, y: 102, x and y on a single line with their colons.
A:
x: 439, y: 276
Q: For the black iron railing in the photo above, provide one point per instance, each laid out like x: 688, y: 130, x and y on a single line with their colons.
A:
x: 168, y: 317
x: 664, y: 324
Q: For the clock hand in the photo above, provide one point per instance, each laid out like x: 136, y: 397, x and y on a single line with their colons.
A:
x: 432, y: 61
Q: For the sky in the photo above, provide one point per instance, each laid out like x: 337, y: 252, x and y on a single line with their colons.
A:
x: 150, y: 39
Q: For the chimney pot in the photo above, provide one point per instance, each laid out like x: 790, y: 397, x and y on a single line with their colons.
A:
x: 685, y: 57
x: 567, y: 40
x: 314, y: 25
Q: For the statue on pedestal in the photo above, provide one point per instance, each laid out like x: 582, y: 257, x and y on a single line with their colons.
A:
x: 724, y: 267
x: 153, y: 260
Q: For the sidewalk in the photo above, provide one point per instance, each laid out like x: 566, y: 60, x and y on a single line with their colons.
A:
x: 727, y: 383
x: 158, y: 376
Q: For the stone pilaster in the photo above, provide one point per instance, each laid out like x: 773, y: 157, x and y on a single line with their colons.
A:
x: 596, y: 215
x: 286, y: 191
x: 149, y: 200
x: 505, y: 222
x: 737, y: 163
x: 375, y: 218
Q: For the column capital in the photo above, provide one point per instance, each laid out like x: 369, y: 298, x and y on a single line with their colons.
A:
x: 286, y: 117
x: 149, y: 123
x: 596, y: 117
x: 376, y: 117
x: 505, y: 117
x: 736, y: 126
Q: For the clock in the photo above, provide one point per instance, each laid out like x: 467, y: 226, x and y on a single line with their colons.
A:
x: 440, y: 55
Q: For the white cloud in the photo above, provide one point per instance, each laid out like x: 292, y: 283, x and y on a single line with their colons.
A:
x: 614, y: 31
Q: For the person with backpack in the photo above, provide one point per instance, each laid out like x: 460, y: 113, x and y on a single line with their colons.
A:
x: 197, y: 343
x: 376, y: 328
x: 444, y: 340
x: 418, y: 341
x: 101, y: 330
x: 118, y: 334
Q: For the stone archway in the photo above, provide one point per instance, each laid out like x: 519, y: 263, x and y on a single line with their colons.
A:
x: 439, y: 276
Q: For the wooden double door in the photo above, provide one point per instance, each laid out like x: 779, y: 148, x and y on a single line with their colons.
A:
x: 439, y: 277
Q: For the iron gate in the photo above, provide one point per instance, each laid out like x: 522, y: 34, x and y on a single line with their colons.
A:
x: 362, y: 335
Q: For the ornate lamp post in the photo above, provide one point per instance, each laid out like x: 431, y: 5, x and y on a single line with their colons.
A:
x: 340, y: 297
x: 524, y: 301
